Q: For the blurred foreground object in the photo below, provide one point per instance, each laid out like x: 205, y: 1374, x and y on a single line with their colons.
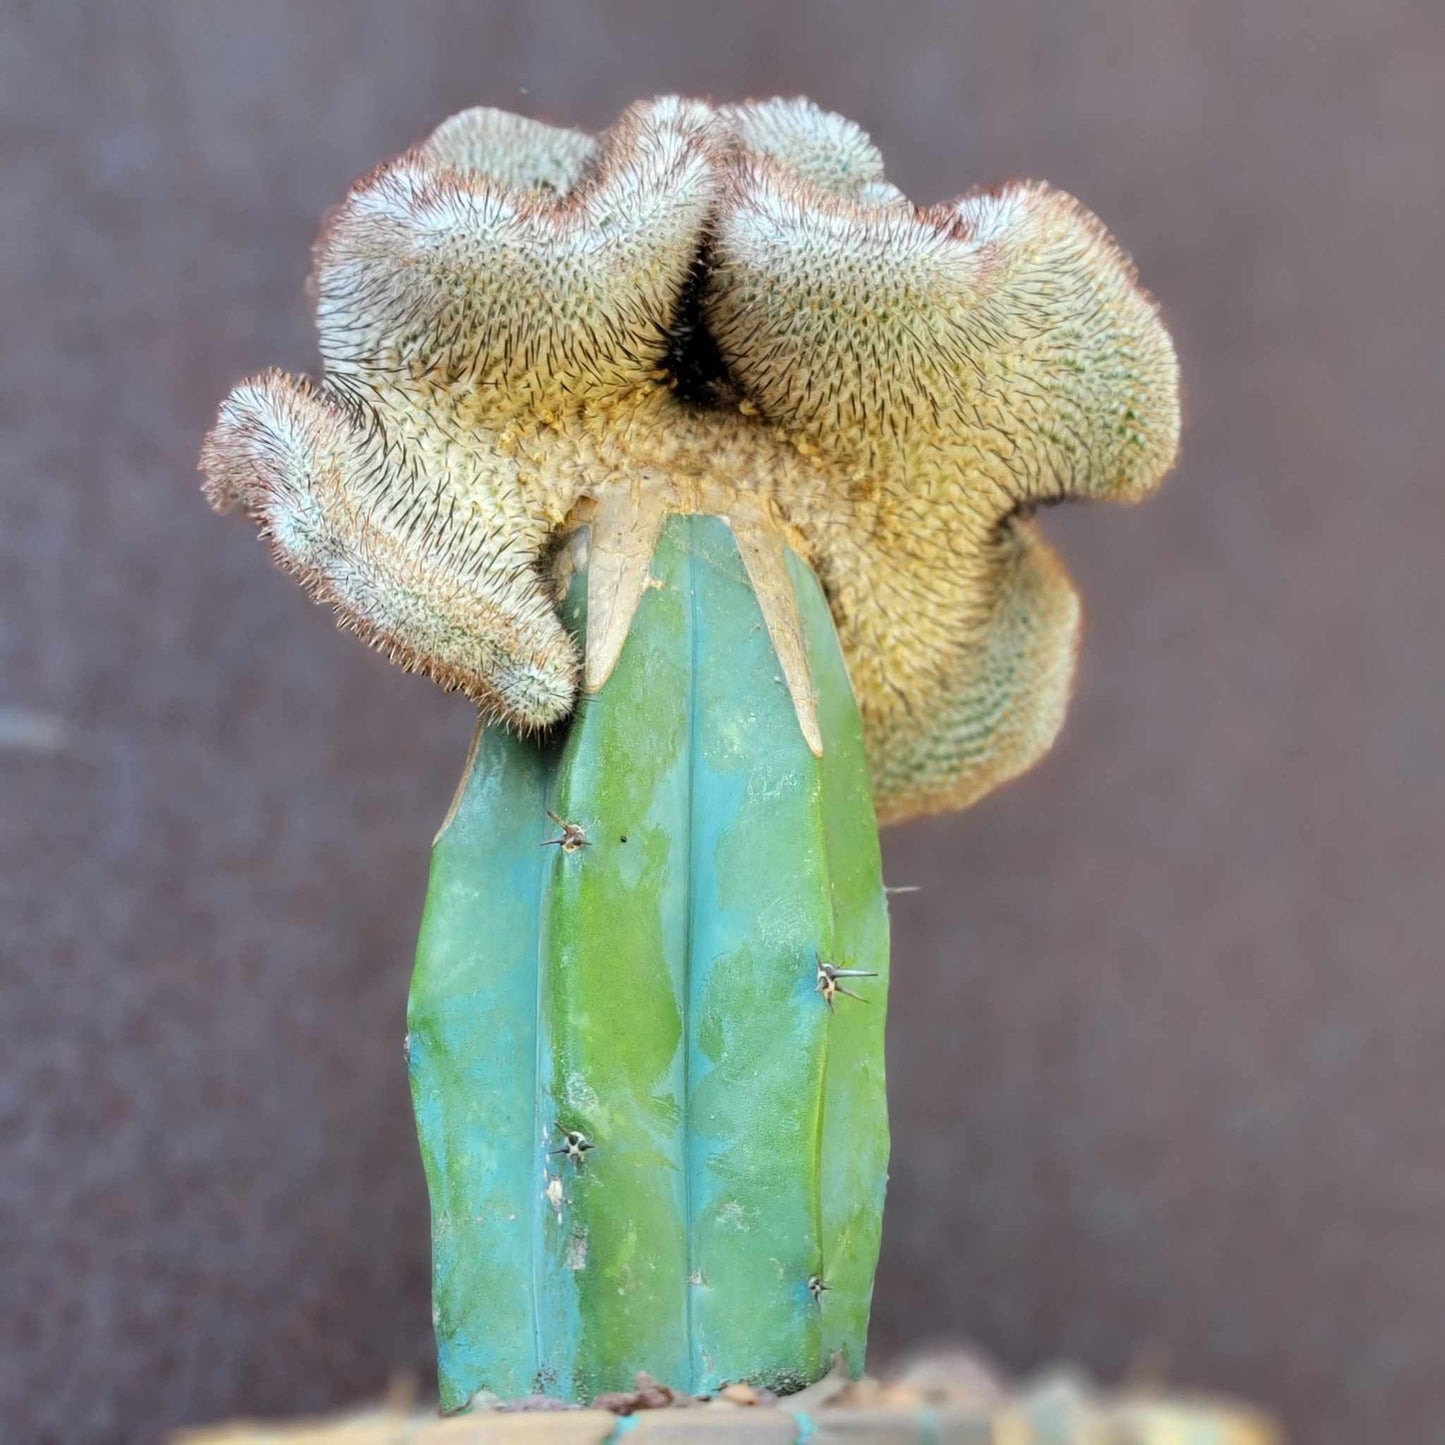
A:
x: 949, y: 1399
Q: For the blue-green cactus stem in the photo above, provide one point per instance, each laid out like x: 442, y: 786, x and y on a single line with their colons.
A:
x: 653, y: 1141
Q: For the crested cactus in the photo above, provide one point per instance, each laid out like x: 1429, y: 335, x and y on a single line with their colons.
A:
x: 704, y: 463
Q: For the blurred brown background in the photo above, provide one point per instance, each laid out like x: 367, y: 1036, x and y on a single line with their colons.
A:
x: 1168, y: 1032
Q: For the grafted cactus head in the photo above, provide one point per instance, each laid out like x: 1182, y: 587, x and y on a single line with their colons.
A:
x: 724, y: 310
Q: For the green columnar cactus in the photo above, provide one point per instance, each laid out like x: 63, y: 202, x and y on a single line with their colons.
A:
x: 778, y: 435
x: 653, y: 1141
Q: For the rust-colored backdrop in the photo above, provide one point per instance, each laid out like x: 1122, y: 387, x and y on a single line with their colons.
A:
x: 1168, y: 1031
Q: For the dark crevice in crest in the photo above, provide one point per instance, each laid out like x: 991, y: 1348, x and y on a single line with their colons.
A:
x: 695, y: 365
x: 1029, y: 507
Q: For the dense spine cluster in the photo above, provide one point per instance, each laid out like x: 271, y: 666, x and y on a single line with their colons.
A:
x: 724, y: 310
